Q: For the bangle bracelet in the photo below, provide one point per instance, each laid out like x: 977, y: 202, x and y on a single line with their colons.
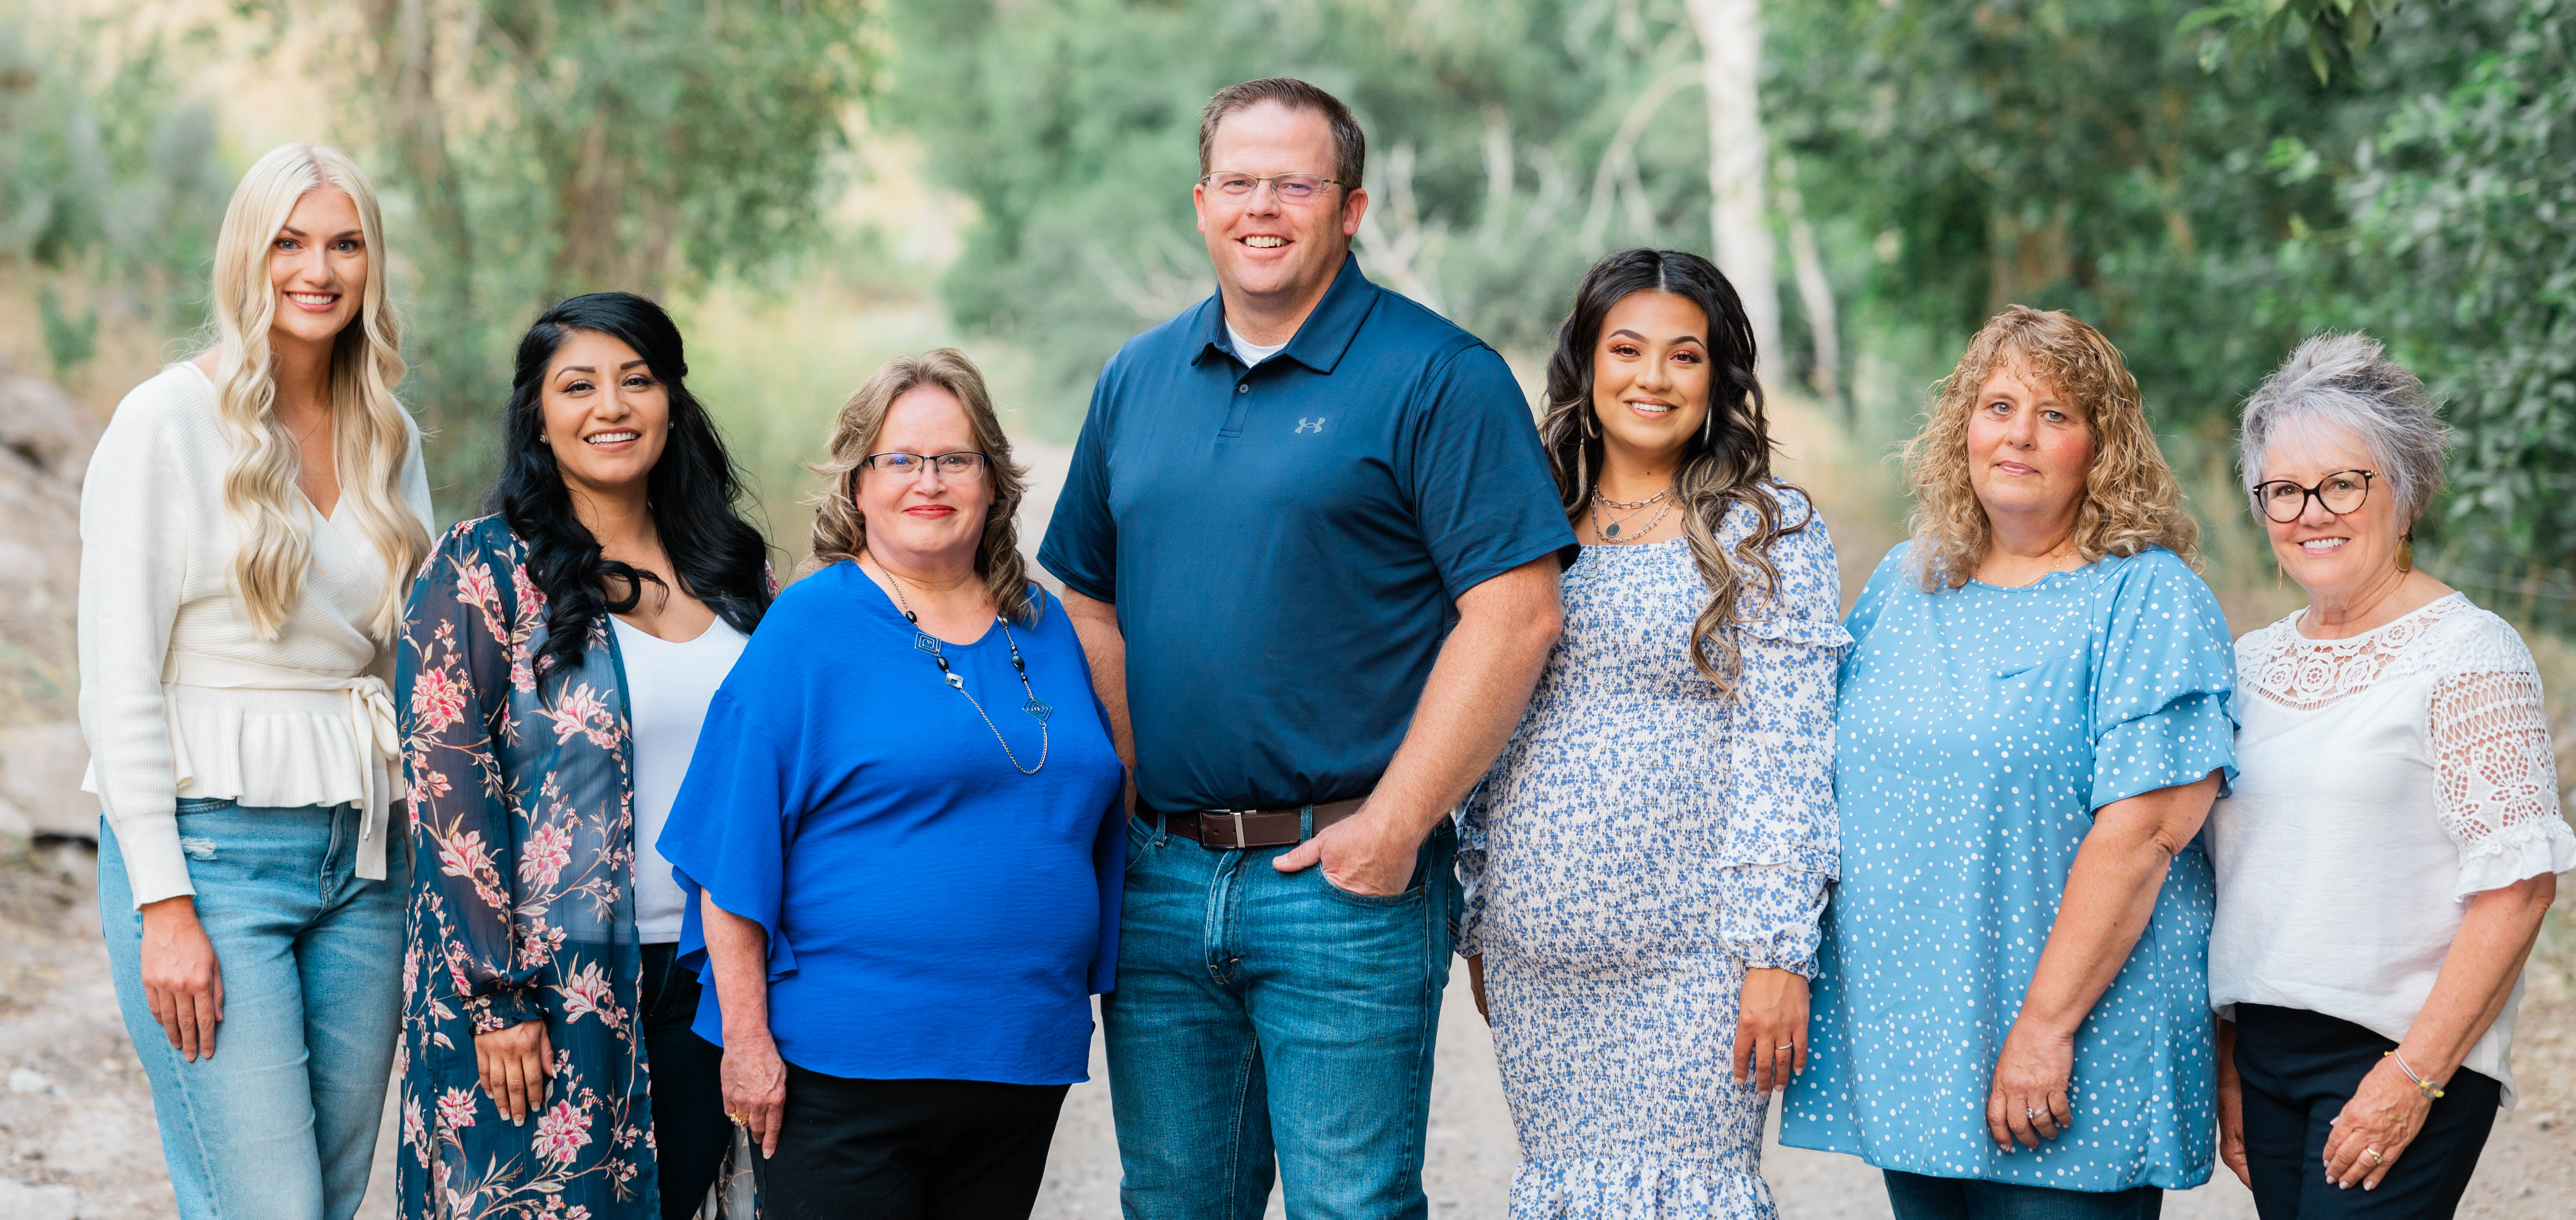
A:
x: 2431, y: 1091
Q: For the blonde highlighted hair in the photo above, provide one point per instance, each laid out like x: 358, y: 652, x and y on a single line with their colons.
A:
x: 371, y: 434
x: 2131, y: 500
x: 841, y: 533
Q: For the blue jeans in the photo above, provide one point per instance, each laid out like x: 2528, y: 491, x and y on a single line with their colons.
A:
x: 1261, y: 1014
x: 1915, y: 1196
x: 281, y: 1121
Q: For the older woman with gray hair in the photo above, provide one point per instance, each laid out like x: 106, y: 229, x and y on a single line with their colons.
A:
x: 2388, y: 850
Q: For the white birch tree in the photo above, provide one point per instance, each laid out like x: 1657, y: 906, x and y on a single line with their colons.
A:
x: 1730, y: 39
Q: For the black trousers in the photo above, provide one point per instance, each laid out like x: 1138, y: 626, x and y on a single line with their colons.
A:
x: 908, y: 1149
x: 2299, y: 1069
x: 690, y: 1132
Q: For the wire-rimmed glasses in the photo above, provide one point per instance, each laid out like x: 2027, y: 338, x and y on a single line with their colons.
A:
x: 1287, y: 188
x: 2282, y: 501
x: 963, y: 463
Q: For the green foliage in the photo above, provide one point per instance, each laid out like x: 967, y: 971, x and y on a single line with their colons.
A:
x: 69, y: 341
x: 2334, y: 31
x: 2466, y: 201
x: 113, y: 184
x: 2071, y: 156
x: 543, y: 148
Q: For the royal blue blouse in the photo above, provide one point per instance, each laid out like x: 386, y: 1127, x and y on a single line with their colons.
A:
x: 932, y: 912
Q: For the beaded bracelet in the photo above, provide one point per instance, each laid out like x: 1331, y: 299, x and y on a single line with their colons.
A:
x: 2431, y: 1091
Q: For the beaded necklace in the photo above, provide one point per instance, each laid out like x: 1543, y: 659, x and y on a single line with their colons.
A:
x: 929, y: 643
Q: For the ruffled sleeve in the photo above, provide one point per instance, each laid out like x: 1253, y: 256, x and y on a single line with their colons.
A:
x: 2491, y: 755
x: 452, y: 680
x: 2162, y: 682
x: 729, y: 829
x: 1782, y: 833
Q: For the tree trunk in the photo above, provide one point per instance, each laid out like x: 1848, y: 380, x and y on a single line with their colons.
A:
x: 406, y: 50
x: 1730, y: 39
x: 1815, y: 290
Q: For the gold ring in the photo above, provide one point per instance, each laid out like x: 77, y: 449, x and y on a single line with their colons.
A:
x: 737, y: 1119
x: 2375, y: 1158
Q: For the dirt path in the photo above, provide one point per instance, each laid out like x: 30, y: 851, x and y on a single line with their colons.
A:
x: 77, y: 1138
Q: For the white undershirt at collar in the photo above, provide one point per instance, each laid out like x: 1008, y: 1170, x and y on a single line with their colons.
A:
x: 1250, y: 352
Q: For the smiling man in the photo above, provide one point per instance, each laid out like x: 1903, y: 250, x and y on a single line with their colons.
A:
x: 1309, y: 542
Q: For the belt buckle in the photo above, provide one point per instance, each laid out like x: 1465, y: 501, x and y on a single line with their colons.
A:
x: 1234, y: 817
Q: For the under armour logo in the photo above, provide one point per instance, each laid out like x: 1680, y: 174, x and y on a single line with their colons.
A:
x: 1310, y: 425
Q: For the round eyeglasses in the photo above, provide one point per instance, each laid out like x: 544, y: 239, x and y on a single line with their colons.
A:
x: 958, y: 465
x: 1288, y: 188
x: 2283, y: 501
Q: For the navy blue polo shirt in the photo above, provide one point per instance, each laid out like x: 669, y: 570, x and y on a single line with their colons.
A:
x: 1285, y: 542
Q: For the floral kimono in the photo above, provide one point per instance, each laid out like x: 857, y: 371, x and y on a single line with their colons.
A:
x: 522, y: 901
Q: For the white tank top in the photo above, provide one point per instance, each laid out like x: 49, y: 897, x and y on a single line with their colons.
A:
x: 668, y: 686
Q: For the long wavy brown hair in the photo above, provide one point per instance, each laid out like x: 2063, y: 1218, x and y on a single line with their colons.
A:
x: 2131, y: 501
x: 840, y: 532
x: 1727, y: 463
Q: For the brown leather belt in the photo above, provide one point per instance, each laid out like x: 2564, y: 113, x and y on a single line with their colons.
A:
x: 1233, y: 829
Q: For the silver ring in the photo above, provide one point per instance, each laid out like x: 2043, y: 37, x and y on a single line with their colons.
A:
x: 2030, y: 1116
x: 1785, y: 1046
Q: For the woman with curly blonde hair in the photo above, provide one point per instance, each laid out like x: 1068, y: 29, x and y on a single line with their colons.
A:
x: 2033, y: 722
x: 249, y: 528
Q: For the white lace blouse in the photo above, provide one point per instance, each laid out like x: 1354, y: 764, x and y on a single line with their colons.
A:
x: 2383, y: 780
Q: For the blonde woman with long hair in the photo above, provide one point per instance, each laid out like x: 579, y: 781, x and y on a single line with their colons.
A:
x: 249, y: 527
x: 2011, y: 1014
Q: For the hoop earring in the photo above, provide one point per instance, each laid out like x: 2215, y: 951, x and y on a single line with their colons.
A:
x: 1591, y: 423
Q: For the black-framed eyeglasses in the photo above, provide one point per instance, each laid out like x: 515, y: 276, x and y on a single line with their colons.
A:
x: 958, y: 465
x: 1289, y: 188
x: 2283, y: 501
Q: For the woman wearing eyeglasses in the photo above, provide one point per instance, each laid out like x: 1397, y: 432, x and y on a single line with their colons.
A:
x: 899, y: 834
x: 2388, y: 851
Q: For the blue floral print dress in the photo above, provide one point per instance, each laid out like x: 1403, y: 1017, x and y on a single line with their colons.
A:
x: 1641, y: 842
x: 523, y: 833
x: 1980, y: 728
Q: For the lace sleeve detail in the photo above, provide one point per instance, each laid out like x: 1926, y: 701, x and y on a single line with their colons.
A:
x: 2499, y: 783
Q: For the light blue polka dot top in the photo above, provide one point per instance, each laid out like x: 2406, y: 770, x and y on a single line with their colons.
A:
x: 1978, y: 729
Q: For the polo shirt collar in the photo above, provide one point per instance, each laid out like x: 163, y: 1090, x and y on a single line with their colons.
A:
x: 1326, y: 333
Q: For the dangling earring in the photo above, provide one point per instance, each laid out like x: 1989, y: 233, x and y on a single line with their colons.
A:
x: 2406, y: 552
x: 1591, y: 423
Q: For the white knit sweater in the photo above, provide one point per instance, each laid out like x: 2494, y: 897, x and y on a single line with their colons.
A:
x: 179, y: 698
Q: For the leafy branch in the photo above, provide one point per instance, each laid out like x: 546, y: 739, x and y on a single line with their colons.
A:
x: 2337, y: 31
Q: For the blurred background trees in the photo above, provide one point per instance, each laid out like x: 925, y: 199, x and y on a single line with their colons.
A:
x: 2210, y: 181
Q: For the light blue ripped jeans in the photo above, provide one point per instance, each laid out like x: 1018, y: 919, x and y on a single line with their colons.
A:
x: 281, y: 1121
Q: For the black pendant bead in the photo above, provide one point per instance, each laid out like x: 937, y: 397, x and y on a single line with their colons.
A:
x: 1611, y: 530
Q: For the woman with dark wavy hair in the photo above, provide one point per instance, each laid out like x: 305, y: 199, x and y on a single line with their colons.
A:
x: 558, y: 658
x: 1648, y: 858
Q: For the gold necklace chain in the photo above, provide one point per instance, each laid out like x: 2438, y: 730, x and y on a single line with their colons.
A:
x: 929, y: 643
